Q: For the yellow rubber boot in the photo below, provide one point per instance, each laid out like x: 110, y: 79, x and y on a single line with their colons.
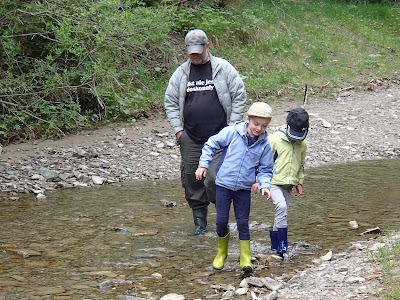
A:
x: 222, y: 253
x: 245, y: 256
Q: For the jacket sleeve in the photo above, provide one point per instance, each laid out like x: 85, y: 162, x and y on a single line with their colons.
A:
x: 214, y: 143
x: 171, y: 102
x: 303, y: 162
x: 238, y: 94
x: 264, y: 175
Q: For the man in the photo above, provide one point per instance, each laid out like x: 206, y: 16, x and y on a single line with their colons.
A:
x: 204, y: 95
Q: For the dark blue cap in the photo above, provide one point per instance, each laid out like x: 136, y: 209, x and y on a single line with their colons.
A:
x: 297, y: 124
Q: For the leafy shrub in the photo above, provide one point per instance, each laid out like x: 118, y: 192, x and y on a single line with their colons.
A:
x: 79, y: 59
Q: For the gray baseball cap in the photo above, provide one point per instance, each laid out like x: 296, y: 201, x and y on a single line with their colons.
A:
x: 195, y: 40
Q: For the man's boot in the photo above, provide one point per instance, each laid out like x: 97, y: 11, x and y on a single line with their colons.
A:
x: 200, y: 221
x: 222, y: 253
x: 282, y: 247
x: 245, y: 256
x: 273, y: 234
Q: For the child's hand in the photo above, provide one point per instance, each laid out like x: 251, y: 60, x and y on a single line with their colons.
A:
x: 266, y: 192
x: 299, y: 190
x: 200, y: 173
x: 254, y: 187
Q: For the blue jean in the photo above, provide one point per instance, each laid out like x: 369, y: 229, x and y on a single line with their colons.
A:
x: 241, y: 205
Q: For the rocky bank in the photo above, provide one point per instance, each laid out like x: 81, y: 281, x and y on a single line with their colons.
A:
x: 358, y: 123
x: 355, y: 125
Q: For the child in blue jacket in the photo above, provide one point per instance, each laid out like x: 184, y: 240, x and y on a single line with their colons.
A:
x: 246, y: 157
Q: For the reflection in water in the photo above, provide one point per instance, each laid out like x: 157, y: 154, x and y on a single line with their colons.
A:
x: 102, y: 242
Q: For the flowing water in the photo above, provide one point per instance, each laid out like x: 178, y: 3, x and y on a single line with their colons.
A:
x: 103, y: 242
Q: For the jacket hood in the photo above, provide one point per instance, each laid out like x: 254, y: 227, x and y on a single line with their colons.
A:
x: 284, y: 136
x: 241, y: 128
x: 283, y: 129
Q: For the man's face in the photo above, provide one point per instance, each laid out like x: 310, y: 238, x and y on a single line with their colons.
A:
x: 257, y: 125
x: 200, y: 58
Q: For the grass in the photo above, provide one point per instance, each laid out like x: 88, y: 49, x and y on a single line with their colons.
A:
x: 320, y: 43
x: 388, y: 259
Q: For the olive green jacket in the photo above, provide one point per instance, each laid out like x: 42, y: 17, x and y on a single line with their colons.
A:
x: 289, y: 158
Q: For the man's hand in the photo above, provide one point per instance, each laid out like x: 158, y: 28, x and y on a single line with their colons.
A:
x: 266, y: 192
x: 178, y: 135
x: 200, y: 173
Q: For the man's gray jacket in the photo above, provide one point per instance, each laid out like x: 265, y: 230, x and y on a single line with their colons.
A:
x: 228, y: 84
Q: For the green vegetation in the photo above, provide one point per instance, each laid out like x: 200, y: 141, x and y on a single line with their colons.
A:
x: 388, y: 258
x: 66, y: 65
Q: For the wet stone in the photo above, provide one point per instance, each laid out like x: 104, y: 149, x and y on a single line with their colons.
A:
x: 253, y: 281
x: 123, y: 297
x: 173, y: 296
x: 271, y: 284
x: 49, y: 291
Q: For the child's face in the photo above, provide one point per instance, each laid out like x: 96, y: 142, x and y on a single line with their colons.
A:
x: 257, y: 125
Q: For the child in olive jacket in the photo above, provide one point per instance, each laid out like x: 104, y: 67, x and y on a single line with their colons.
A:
x: 289, y: 150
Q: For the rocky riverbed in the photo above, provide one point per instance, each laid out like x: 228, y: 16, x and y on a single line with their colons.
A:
x: 355, y: 124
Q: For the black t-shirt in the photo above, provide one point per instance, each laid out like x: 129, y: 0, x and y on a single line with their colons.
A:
x: 251, y: 140
x: 203, y: 115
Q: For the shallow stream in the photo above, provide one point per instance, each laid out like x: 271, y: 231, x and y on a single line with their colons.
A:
x: 103, y: 242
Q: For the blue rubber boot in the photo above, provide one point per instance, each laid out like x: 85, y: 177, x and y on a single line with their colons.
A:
x: 282, y: 246
x: 273, y: 234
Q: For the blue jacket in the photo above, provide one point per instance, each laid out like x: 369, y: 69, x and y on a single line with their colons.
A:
x: 239, y: 163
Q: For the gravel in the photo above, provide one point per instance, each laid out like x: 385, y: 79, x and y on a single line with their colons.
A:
x: 355, y: 125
